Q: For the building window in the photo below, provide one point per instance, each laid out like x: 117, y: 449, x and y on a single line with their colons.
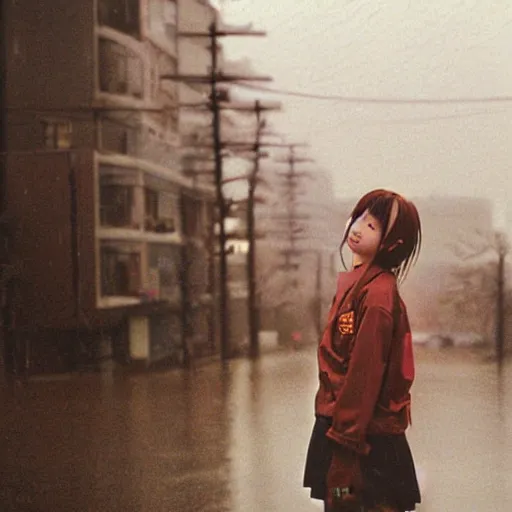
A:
x: 117, y: 137
x: 120, y: 272
x: 151, y: 205
x: 57, y: 134
x: 160, y: 211
x: 116, y: 205
x: 122, y: 15
x: 120, y: 69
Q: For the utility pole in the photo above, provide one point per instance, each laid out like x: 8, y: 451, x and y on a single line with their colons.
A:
x: 500, y: 303
x: 252, y: 303
x: 3, y: 101
x: 255, y: 148
x: 252, y: 300
x: 253, y: 179
x: 214, y: 78
x: 225, y: 341
x: 6, y: 295
x: 291, y: 182
x: 294, y: 229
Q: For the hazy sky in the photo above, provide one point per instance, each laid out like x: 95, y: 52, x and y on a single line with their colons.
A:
x: 391, y: 49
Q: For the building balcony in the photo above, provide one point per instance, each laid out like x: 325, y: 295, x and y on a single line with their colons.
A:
x: 121, y: 67
x: 133, y: 204
x: 132, y: 163
x: 128, y: 72
x: 132, y: 273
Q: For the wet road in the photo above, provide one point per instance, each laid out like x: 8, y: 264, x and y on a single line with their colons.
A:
x: 233, y: 439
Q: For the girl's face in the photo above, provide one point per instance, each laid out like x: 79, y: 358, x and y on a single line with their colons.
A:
x: 364, y: 238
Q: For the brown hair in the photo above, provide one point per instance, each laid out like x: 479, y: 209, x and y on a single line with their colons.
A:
x: 401, y: 236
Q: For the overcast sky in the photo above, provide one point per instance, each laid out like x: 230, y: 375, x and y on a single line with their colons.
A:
x: 423, y: 49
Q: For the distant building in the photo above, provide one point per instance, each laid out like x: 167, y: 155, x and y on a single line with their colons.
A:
x: 447, y: 222
x: 451, y: 220
x: 103, y: 218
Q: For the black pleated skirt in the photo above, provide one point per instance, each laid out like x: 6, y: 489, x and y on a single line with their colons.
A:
x: 388, y: 470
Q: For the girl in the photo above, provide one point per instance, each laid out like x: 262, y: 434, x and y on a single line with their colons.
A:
x: 358, y: 457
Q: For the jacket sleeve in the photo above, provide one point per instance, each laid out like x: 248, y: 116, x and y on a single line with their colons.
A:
x: 358, y: 395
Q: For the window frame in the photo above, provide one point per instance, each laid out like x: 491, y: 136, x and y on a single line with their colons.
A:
x: 134, y: 262
x: 129, y: 190
x: 57, y: 133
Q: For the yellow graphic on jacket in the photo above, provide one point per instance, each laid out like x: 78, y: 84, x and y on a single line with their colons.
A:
x: 346, y: 323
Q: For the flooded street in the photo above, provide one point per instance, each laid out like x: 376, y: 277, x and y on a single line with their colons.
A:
x: 233, y: 439
x: 178, y: 177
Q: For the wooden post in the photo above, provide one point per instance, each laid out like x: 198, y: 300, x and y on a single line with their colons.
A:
x: 252, y: 305
x: 500, y: 304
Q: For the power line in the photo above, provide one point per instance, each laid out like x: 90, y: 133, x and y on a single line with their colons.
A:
x: 362, y: 99
x: 419, y: 120
x: 414, y: 120
x: 410, y: 120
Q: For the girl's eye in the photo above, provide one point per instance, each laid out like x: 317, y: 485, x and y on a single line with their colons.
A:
x: 371, y: 226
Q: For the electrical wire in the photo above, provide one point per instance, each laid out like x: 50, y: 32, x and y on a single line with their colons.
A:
x: 413, y: 120
x: 78, y: 112
x: 420, y: 120
x: 362, y: 99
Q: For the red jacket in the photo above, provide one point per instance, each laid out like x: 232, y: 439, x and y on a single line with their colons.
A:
x: 360, y: 391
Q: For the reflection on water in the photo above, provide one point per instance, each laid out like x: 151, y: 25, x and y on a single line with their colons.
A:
x: 461, y: 433
x: 270, y: 434
x: 141, y: 443
x: 233, y: 438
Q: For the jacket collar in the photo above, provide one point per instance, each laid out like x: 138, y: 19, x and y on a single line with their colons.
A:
x: 346, y: 281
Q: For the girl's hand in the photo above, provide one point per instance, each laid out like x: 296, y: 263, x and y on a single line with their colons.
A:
x: 344, y: 479
x: 341, y: 500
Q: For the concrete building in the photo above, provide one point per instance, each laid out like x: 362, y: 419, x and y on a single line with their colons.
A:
x: 102, y: 216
